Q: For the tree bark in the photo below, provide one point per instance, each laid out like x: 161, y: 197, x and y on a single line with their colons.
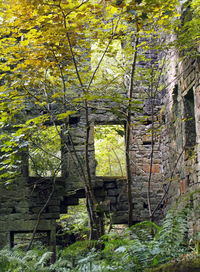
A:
x: 128, y: 130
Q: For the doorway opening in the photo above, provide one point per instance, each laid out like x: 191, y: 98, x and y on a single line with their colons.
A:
x: 110, y: 150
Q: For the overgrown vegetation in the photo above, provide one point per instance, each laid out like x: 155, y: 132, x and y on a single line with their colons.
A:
x: 75, y: 222
x: 109, y: 150
x: 54, y: 73
x: 142, y: 246
x: 44, y: 153
x: 48, y: 74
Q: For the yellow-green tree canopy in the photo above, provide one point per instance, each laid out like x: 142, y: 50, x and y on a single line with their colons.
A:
x: 46, y: 50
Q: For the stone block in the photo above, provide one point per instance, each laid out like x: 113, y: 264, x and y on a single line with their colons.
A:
x: 99, y: 183
x: 21, y: 210
x: 53, y: 209
x: 110, y: 185
x: 112, y: 199
x: 155, y: 168
x: 100, y: 193
x: 121, y: 183
x: 4, y: 239
x: 120, y: 218
x: 5, y: 210
x: 70, y: 201
x: 3, y: 225
x: 53, y: 215
x: 183, y: 186
x: 123, y: 207
x: 122, y: 198
x: 112, y: 192
x: 15, y: 216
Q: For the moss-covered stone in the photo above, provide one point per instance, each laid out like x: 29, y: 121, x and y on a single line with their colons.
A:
x: 187, y: 264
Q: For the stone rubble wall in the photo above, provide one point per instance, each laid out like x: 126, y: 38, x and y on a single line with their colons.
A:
x: 141, y: 146
x: 22, y: 201
x: 181, y: 136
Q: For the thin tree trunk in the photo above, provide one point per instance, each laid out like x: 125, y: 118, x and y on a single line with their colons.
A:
x: 151, y: 155
x: 128, y: 130
x: 95, y: 216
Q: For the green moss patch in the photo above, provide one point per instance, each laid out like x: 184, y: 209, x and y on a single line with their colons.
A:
x: 188, y: 263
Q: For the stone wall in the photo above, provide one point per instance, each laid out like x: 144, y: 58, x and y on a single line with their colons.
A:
x: 165, y: 139
x: 180, y: 149
x: 146, y: 162
x: 24, y: 199
x: 141, y: 149
x: 21, y: 203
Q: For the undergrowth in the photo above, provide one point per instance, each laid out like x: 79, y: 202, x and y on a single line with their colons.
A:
x: 144, y: 245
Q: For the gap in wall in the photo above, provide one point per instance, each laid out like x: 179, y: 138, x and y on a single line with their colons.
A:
x: 190, y: 127
x: 110, y: 150
x: 45, y: 152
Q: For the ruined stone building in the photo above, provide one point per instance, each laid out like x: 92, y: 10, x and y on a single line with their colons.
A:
x: 174, y: 166
x: 180, y: 148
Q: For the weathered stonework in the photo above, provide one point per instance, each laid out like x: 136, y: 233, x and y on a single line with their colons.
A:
x: 24, y: 199
x: 167, y: 161
x: 180, y: 149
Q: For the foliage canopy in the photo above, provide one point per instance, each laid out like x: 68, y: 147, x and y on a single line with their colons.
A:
x: 45, y: 58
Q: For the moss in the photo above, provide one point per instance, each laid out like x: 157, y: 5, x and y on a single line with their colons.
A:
x: 79, y: 248
x: 169, y: 267
x: 189, y: 263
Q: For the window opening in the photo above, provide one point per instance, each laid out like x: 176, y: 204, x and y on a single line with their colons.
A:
x: 45, y: 152
x: 175, y: 100
x: 110, y: 150
x: 22, y: 238
x: 190, y: 128
x: 175, y: 118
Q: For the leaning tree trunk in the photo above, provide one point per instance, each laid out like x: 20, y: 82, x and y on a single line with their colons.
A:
x: 128, y: 131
